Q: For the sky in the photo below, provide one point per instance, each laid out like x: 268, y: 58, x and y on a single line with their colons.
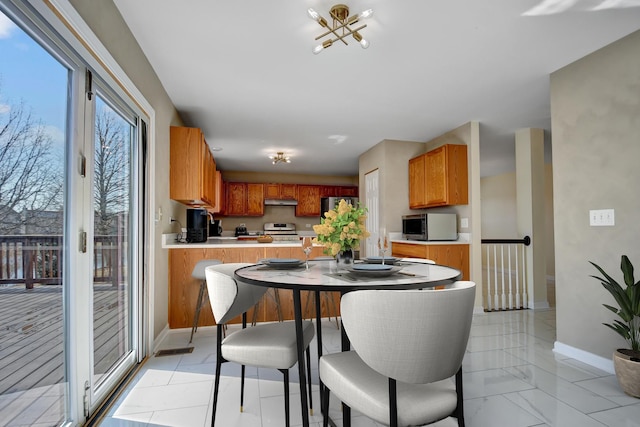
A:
x: 30, y: 75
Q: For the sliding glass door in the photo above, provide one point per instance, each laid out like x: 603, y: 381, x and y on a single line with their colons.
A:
x: 70, y: 227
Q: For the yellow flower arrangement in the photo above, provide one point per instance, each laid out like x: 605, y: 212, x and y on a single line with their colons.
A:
x: 342, y: 228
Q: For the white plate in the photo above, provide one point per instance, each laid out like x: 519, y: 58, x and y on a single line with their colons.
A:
x: 366, y: 270
x: 378, y: 260
x: 283, y: 260
x: 282, y: 263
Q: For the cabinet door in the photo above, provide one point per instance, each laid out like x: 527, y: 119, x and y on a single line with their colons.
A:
x: 329, y: 191
x: 350, y: 191
x: 185, y: 163
x: 236, y: 198
x: 417, y: 191
x: 447, y: 176
x: 255, y: 199
x: 456, y: 256
x: 288, y: 191
x: 308, y: 200
x: 209, y: 176
x: 271, y: 191
x: 219, y: 198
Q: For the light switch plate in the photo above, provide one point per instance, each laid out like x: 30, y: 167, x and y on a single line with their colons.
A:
x: 602, y: 218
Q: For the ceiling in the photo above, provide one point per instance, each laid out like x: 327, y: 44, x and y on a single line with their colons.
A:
x: 244, y: 72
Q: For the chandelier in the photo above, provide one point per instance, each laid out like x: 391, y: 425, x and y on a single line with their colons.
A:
x: 279, y: 157
x: 343, y: 26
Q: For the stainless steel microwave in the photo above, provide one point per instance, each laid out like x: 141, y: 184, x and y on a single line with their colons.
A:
x: 430, y: 226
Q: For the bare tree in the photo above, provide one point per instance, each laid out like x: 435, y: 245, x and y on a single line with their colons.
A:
x: 30, y: 174
x: 111, y: 170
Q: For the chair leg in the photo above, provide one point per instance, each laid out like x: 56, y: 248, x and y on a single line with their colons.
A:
x: 459, y: 411
x: 219, y: 361
x: 331, y: 302
x: 325, y: 406
x: 196, y: 316
x: 242, y: 371
x: 393, y: 404
x: 285, y: 373
x: 309, y: 380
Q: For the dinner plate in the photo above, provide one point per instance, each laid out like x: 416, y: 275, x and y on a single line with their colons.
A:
x: 378, y: 260
x: 282, y: 263
x: 373, y: 270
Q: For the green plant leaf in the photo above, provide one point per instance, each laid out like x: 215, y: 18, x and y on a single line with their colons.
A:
x: 627, y: 270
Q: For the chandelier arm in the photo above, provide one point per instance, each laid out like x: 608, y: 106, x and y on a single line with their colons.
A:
x: 341, y: 37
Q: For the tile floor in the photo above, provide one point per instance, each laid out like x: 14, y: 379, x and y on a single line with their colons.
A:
x: 511, y: 379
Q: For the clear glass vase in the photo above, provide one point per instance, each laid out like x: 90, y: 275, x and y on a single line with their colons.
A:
x: 344, y: 258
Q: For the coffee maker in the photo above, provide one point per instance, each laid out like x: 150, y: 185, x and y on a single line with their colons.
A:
x: 215, y: 227
x: 197, y: 225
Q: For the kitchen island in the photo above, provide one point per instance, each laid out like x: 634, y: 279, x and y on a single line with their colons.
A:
x: 183, y: 289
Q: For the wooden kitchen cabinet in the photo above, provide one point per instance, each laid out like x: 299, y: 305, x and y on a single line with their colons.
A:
x: 439, y: 177
x: 244, y: 199
x: 192, y: 168
x: 451, y: 255
x: 280, y: 191
x: 308, y: 197
x: 255, y: 199
x: 339, y: 190
x: 220, y: 194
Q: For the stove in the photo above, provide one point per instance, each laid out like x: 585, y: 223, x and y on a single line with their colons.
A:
x: 281, y: 231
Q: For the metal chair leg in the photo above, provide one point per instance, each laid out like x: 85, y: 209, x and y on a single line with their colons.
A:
x: 199, y: 303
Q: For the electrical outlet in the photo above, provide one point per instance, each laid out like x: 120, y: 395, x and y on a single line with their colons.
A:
x: 308, y: 225
x: 464, y: 222
x: 171, y: 220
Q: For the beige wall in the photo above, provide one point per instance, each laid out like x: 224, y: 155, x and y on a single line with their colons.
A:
x: 499, y: 211
x: 595, y: 106
x: 105, y: 21
x: 391, y: 159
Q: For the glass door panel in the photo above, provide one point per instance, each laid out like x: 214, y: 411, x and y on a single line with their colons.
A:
x: 33, y: 286
x: 112, y: 285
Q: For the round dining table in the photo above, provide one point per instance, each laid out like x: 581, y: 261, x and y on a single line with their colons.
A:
x: 327, y: 275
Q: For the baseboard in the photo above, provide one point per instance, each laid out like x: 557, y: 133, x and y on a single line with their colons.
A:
x: 158, y: 340
x: 539, y: 305
x: 594, y: 360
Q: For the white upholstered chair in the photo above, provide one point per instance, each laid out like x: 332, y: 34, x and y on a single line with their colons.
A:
x: 407, y: 346
x: 267, y: 345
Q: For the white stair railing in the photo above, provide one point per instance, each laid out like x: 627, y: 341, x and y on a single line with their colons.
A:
x: 505, y: 274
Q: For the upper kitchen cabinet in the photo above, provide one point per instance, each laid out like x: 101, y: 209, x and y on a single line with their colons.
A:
x: 244, y: 199
x: 439, y: 177
x: 192, y: 168
x: 308, y: 200
x: 280, y: 191
x: 339, y: 191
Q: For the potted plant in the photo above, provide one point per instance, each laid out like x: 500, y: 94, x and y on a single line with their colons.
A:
x: 626, y: 362
x: 341, y: 229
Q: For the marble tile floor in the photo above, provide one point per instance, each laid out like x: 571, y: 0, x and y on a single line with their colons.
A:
x: 511, y: 378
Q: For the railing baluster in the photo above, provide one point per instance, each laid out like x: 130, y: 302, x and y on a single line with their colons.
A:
x: 488, y: 296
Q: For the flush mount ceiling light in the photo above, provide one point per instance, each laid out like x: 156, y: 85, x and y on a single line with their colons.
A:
x: 280, y: 157
x: 343, y: 26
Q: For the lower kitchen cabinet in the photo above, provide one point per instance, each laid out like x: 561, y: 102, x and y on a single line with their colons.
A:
x: 183, y: 289
x: 451, y: 255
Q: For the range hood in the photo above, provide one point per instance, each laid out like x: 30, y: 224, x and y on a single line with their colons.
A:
x: 280, y: 202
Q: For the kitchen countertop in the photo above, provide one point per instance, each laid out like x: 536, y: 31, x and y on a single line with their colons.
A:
x: 169, y: 242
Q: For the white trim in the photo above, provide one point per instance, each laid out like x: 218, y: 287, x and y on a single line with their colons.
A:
x: 158, y: 340
x: 584, y: 356
x: 539, y: 305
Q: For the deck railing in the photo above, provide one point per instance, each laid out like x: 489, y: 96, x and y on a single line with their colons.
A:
x: 505, y: 274
x: 31, y: 259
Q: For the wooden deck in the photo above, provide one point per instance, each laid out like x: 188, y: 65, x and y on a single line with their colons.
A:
x: 32, y: 349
